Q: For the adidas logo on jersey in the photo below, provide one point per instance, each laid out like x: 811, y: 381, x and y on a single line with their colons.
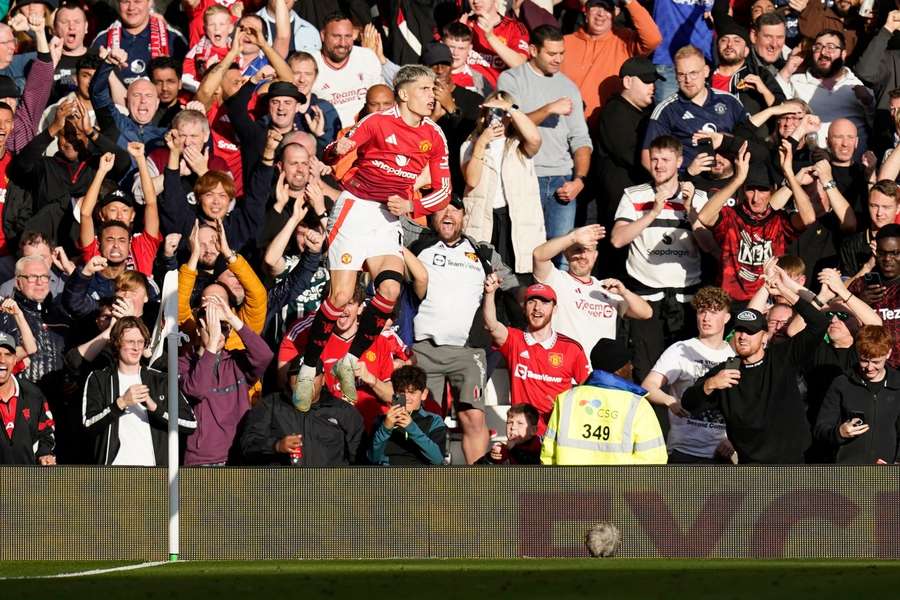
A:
x: 391, y: 139
x: 687, y: 116
x: 524, y: 354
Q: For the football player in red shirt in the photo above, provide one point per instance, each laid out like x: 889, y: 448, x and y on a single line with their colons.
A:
x: 542, y: 363
x: 498, y: 42
x: 393, y: 148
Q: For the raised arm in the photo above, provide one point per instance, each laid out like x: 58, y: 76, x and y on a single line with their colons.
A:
x: 151, y: 210
x: 542, y: 255
x: 498, y: 330
x: 213, y: 78
x: 86, y: 231
x: 417, y: 272
x: 29, y: 344
x: 806, y: 214
x: 709, y: 214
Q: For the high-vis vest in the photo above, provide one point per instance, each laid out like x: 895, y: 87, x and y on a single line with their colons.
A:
x: 593, y: 425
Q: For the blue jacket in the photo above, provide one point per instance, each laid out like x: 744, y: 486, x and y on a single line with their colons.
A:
x: 114, y: 124
x: 423, y: 442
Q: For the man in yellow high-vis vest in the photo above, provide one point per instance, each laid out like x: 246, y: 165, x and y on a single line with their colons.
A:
x: 605, y: 421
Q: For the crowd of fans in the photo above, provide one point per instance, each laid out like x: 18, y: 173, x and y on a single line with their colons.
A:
x: 668, y: 228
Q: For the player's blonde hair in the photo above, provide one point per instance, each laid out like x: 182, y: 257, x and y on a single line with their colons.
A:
x: 409, y: 73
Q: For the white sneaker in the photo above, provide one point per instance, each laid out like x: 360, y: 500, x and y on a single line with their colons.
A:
x: 343, y: 372
x: 303, y: 391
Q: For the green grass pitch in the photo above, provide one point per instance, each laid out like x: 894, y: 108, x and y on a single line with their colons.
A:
x: 464, y: 579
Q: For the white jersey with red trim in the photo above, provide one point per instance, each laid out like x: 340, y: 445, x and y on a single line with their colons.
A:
x: 390, y: 157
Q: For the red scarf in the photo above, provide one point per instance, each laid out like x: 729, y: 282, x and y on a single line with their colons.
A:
x: 159, y: 39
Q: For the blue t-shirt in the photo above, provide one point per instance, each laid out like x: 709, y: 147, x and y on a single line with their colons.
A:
x: 681, y: 23
x: 681, y: 118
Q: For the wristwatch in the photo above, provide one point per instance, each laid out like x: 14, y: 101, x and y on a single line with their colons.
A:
x: 829, y: 184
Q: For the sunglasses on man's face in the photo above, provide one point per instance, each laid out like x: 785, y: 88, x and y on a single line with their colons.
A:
x: 841, y: 315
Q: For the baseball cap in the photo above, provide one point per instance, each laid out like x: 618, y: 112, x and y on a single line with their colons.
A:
x: 436, y: 53
x: 8, y: 88
x: 539, y: 290
x: 750, y: 321
x: 607, y: 5
x: 610, y: 355
x: 642, y: 68
x: 456, y: 201
x: 284, y: 88
x: 117, y: 196
x: 7, y: 341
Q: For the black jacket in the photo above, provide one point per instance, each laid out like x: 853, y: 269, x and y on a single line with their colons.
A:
x: 619, y: 133
x: 100, y: 413
x: 764, y: 413
x: 332, y: 431
x: 33, y: 425
x: 881, y: 412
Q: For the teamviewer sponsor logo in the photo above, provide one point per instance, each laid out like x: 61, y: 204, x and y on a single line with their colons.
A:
x: 522, y: 372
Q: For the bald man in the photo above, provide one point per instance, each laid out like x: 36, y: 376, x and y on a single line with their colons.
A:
x: 379, y: 98
x: 142, y: 101
x: 851, y: 176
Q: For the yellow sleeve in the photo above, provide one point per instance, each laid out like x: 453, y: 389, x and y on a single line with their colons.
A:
x: 187, y: 277
x: 548, y: 447
x: 649, y: 444
x: 253, y: 311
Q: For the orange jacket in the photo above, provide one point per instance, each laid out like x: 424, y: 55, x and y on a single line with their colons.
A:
x: 593, y: 62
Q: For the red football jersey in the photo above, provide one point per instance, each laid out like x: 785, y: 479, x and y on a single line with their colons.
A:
x: 747, y: 244
x: 225, y: 144
x: 538, y: 374
x: 391, y: 155
x: 512, y: 32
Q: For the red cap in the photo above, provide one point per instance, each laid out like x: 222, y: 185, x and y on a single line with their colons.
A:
x: 539, y: 290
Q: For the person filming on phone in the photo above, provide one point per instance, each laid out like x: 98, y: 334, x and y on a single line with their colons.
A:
x: 765, y: 418
x: 880, y: 287
x: 408, y: 434
x: 860, y: 415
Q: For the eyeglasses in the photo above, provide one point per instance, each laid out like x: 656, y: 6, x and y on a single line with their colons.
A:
x: 35, y: 278
x: 888, y: 253
x: 841, y: 315
x: 134, y: 343
x: 829, y: 47
x: 689, y: 75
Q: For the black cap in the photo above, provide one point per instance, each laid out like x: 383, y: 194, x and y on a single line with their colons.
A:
x: 8, y: 88
x: 117, y: 196
x: 52, y: 4
x: 436, y: 53
x: 610, y: 355
x: 727, y: 26
x: 761, y: 176
x: 456, y: 201
x: 284, y: 88
x: 640, y: 67
x: 891, y: 230
x: 750, y: 321
x: 604, y: 4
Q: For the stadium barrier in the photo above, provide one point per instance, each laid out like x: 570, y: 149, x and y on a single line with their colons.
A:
x: 92, y: 513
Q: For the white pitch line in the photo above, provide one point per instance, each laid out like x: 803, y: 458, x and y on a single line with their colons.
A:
x: 91, y: 572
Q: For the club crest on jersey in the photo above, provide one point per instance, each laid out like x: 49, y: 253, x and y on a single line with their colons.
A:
x: 424, y: 146
x: 472, y: 256
x: 720, y: 108
x: 370, y: 356
x: 555, y: 358
x: 346, y: 258
x: 401, y: 160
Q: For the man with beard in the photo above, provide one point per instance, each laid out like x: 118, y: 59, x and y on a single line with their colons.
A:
x: 831, y: 89
x: 658, y: 223
x: 751, y: 231
x: 588, y: 309
x: 96, y: 279
x: 695, y: 108
x: 756, y: 88
x: 880, y: 288
x: 765, y: 416
x: 345, y: 71
x: 452, y: 349
x: 165, y: 74
x: 542, y: 363
x: 619, y: 133
x: 696, y: 438
x: 840, y: 15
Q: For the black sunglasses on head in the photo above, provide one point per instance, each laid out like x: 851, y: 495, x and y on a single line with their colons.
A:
x: 841, y: 315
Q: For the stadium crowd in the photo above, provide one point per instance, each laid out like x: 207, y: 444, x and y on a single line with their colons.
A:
x: 668, y: 228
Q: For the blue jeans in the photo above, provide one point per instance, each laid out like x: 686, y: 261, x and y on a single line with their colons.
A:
x: 559, y: 217
x: 666, y: 88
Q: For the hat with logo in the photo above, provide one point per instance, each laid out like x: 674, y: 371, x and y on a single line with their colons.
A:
x: 750, y: 321
x: 539, y: 290
x: 117, y: 196
x: 7, y: 341
x: 640, y: 67
x: 436, y: 53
